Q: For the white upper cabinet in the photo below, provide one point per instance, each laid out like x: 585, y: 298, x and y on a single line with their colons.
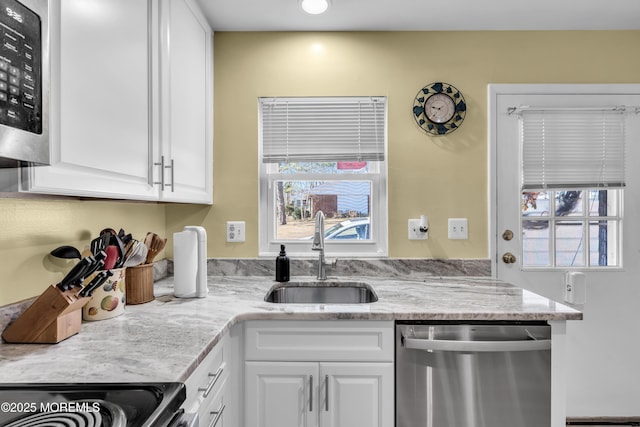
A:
x: 131, y: 96
x: 186, y: 79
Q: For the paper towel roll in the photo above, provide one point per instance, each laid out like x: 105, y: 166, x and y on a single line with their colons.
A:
x: 185, y: 263
x: 201, y: 277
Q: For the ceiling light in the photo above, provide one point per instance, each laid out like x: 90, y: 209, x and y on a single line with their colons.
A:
x: 314, y: 7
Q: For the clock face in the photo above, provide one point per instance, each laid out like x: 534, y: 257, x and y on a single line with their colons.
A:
x: 439, y: 108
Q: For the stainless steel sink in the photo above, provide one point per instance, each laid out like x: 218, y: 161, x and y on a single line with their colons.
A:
x: 322, y: 292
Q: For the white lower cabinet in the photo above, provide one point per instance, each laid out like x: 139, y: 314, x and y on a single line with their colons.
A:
x: 357, y: 394
x: 319, y: 374
x: 281, y: 394
x: 206, y: 387
x: 307, y: 394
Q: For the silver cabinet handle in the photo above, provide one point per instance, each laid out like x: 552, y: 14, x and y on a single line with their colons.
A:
x: 161, y: 182
x: 476, y: 346
x: 214, y: 379
x: 326, y: 393
x: 310, y: 393
x: 172, y: 176
x: 217, y: 414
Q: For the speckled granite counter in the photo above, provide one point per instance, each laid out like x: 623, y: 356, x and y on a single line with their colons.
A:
x: 164, y: 340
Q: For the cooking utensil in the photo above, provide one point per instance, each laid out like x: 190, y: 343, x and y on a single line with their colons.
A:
x: 155, y: 245
x: 112, y: 257
x: 117, y: 242
x: 126, y: 238
x: 108, y: 230
x: 137, y: 255
x: 66, y: 252
x: 128, y: 248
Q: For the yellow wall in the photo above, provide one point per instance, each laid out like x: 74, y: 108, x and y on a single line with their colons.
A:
x: 440, y: 177
x: 30, y: 229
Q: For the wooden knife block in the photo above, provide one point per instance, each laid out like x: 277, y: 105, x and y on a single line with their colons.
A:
x: 54, y: 316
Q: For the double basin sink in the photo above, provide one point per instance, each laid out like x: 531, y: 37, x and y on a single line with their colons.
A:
x: 322, y: 292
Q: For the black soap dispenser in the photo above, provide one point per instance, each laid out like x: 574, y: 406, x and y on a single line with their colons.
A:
x: 282, y: 266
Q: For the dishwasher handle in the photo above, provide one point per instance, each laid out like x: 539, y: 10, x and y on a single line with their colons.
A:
x: 476, y: 346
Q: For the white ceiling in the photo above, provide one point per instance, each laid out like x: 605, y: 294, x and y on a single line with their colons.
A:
x: 424, y: 15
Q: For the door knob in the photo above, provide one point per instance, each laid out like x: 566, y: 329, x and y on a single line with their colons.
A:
x: 507, y: 235
x: 508, y: 258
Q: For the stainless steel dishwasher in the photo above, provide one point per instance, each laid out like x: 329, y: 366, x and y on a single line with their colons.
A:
x: 451, y: 374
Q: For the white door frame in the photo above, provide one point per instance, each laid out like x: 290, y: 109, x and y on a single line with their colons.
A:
x: 495, y: 90
x: 610, y: 310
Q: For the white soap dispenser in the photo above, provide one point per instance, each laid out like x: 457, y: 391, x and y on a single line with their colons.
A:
x: 190, y: 263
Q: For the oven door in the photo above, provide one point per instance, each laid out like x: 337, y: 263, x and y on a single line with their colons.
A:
x: 93, y: 404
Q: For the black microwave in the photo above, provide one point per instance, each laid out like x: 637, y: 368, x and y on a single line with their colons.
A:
x: 24, y: 81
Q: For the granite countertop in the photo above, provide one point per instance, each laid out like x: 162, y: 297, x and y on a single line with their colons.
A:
x: 165, y: 339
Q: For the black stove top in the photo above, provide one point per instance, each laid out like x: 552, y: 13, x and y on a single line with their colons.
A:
x: 91, y: 404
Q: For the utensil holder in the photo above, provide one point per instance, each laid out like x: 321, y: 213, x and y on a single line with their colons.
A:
x: 54, y: 316
x: 107, y: 301
x: 139, y: 282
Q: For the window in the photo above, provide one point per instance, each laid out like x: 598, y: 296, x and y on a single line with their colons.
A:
x: 571, y: 228
x: 325, y: 154
x: 573, y: 175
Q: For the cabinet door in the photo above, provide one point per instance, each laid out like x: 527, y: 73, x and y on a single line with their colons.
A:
x: 356, y: 394
x: 100, y: 112
x: 281, y: 394
x: 186, y: 103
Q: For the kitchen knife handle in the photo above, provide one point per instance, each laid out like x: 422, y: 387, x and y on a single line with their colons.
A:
x: 100, y: 282
x: 98, y: 265
x: 95, y: 283
x: 91, y: 284
x: 76, y: 272
x: 100, y: 256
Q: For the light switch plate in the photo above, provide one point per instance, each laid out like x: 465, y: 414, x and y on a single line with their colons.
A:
x: 458, y: 228
x: 235, y: 231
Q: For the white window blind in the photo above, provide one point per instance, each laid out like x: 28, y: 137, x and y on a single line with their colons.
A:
x: 323, y: 129
x: 572, y: 148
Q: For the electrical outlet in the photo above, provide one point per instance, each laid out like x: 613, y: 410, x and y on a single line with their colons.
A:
x: 235, y: 231
x: 458, y: 228
x: 414, y: 231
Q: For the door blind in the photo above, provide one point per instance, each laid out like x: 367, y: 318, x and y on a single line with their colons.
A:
x: 572, y: 148
x: 322, y: 129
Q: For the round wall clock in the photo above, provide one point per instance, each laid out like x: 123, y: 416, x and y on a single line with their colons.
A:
x: 439, y: 108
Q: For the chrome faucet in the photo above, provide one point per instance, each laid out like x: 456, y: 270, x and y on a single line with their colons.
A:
x: 318, y: 245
